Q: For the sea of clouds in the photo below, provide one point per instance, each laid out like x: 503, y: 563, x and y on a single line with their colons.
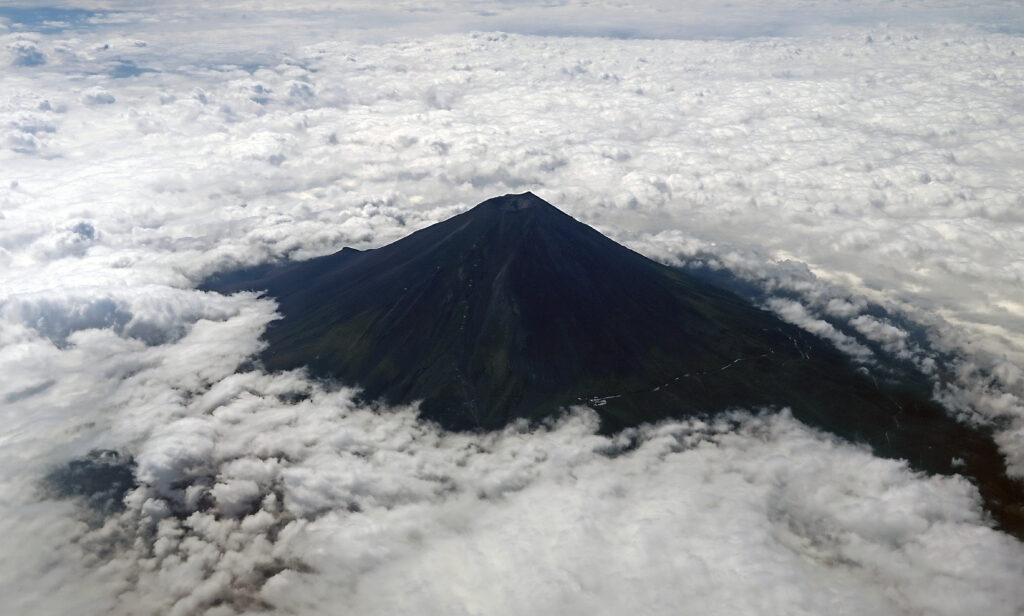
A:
x: 838, y: 158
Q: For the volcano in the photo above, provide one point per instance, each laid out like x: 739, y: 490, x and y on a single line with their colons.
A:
x: 514, y: 309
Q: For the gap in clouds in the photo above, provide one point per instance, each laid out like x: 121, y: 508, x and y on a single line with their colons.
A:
x: 45, y: 19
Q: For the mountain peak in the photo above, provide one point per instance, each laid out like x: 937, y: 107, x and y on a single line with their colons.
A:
x: 515, y: 203
x: 515, y: 309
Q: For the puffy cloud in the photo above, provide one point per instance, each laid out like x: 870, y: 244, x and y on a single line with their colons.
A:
x: 25, y: 53
x: 97, y: 96
x: 859, y: 179
x: 250, y: 501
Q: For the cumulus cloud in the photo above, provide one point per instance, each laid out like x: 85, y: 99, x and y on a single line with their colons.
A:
x: 250, y: 500
x: 97, y: 96
x: 25, y: 53
x: 858, y: 176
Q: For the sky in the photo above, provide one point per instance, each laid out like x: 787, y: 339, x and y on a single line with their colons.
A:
x: 839, y: 156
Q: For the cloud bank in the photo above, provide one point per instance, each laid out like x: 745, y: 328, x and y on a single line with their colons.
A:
x: 864, y: 176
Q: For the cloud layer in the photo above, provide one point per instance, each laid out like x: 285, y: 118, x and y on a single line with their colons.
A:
x: 848, y: 167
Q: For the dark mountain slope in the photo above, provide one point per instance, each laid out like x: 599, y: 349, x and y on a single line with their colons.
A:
x: 514, y: 309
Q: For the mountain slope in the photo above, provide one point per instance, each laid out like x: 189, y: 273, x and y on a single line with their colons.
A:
x: 514, y: 309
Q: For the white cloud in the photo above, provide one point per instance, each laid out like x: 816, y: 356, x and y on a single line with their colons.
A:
x: 23, y: 52
x: 842, y: 166
x: 794, y: 312
x: 695, y: 19
x: 98, y: 96
x: 325, y: 502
